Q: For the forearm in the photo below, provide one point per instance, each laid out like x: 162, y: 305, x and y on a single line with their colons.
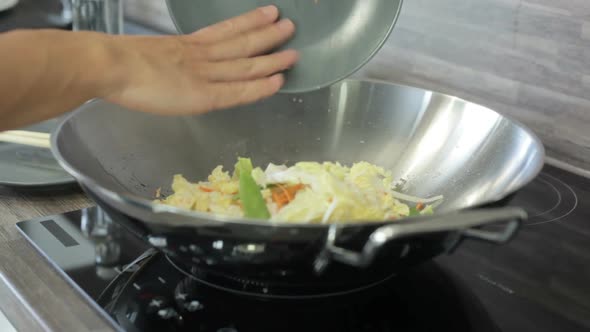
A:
x: 44, y: 73
x: 49, y: 72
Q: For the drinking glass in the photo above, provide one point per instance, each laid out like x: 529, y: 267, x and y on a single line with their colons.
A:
x: 97, y: 15
x: 64, y: 17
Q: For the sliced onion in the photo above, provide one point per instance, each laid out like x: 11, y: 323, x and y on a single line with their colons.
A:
x: 329, y: 211
x: 415, y: 199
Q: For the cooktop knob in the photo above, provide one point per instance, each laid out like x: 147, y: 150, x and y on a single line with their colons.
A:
x: 193, y: 306
x: 156, y: 304
x: 167, y: 313
x: 185, y: 295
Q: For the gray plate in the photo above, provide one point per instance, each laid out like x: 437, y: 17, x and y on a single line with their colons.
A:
x: 25, y: 166
x: 335, y: 37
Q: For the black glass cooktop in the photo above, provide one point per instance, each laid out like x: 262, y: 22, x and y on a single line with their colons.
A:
x: 538, y: 282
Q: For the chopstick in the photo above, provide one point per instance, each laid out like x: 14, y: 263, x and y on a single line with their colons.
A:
x: 24, y: 137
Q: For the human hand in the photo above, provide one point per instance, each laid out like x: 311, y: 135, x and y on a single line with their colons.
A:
x: 220, y: 66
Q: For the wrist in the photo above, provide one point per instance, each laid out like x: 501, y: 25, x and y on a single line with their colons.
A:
x: 105, y: 72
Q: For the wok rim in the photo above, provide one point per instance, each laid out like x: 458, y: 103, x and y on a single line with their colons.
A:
x: 150, y: 206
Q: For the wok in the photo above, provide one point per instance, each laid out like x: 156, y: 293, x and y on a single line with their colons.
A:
x: 434, y: 143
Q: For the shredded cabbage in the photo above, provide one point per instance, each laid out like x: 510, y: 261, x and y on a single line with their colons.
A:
x: 309, y: 192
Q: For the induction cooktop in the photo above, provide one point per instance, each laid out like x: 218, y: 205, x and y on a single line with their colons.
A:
x: 540, y: 281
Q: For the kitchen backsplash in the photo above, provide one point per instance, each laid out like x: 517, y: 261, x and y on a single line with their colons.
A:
x: 527, y: 59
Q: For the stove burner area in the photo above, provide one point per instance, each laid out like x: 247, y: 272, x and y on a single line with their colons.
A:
x: 553, y: 200
x: 537, y: 282
x: 260, y: 289
x: 157, y: 298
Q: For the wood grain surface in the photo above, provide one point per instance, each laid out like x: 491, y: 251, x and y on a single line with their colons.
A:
x: 33, y: 296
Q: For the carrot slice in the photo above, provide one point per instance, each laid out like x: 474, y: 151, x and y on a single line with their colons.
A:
x: 286, y: 192
x: 207, y: 190
x: 282, y: 195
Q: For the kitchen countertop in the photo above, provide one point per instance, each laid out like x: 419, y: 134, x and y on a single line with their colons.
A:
x: 35, y: 298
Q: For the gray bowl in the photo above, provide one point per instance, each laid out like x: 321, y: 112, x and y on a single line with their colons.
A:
x: 335, y: 37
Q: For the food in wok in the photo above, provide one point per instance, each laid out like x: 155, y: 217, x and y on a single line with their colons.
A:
x: 308, y: 192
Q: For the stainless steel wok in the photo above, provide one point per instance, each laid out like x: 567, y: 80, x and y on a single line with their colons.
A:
x: 435, y: 144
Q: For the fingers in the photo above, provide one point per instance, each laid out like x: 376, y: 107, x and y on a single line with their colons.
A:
x: 238, y: 25
x: 251, y: 68
x: 230, y: 94
x: 253, y: 43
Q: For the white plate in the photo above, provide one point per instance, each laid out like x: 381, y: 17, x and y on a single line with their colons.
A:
x: 7, y: 4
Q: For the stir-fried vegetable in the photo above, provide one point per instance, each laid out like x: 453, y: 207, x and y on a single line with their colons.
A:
x: 283, y: 195
x: 420, y: 209
x: 252, y: 201
x: 305, y: 192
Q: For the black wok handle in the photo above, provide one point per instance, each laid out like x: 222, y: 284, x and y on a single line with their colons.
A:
x: 464, y: 223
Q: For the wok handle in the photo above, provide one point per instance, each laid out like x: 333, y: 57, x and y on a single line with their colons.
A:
x: 464, y: 223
